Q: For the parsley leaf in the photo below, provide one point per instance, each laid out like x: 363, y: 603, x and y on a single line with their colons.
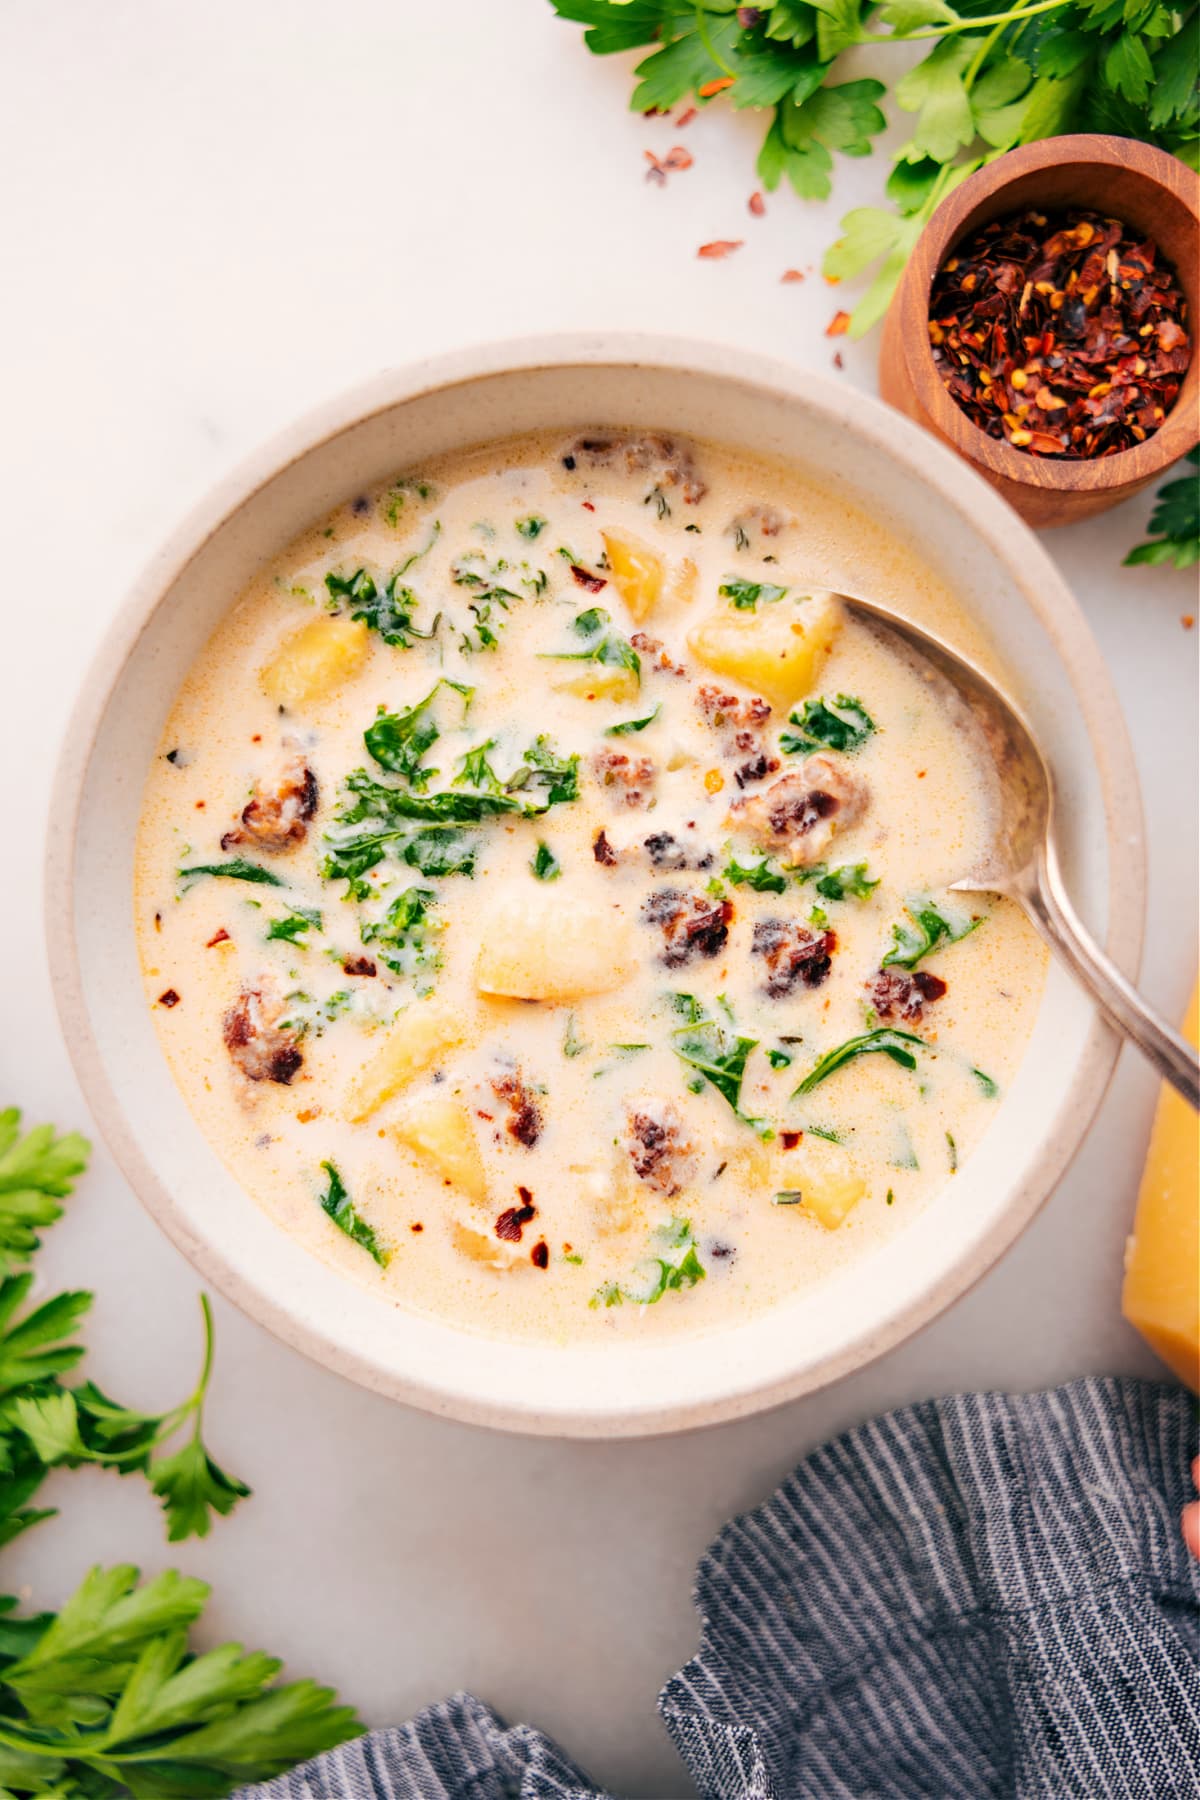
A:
x: 758, y: 874
x: 885, y: 1041
x: 37, y: 1170
x: 840, y: 724
x: 337, y: 1203
x: 1175, y: 522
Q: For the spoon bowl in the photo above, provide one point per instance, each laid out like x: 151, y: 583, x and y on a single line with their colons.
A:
x: 1021, y: 860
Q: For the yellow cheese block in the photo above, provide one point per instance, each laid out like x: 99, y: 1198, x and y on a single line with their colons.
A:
x: 1161, y: 1297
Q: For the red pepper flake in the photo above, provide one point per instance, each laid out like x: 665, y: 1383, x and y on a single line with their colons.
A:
x: 539, y: 1256
x: 662, y: 166
x: 715, y: 87
x: 585, y: 578
x: 1187, y: 621
x: 686, y: 116
x: 158, y: 921
x: 416, y: 1226
x: 837, y: 360
x: 587, y: 506
x: 169, y: 998
x: 792, y: 275
x: 1061, y: 334
x: 218, y: 937
x: 720, y: 247
x: 838, y: 325
x: 757, y: 204
x: 789, y: 1139
x: 257, y: 738
x: 199, y: 806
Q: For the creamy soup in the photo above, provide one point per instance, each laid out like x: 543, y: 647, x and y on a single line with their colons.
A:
x: 543, y: 891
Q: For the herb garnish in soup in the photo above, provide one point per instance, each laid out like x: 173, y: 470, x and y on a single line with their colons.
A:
x: 543, y: 891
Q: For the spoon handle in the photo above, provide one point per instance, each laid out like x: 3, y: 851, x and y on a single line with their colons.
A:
x: 1045, y: 900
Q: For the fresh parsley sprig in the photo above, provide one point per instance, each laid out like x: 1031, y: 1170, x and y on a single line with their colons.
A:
x: 1174, y: 523
x: 994, y: 76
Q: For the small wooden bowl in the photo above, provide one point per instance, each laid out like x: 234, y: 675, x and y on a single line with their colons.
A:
x: 1148, y: 189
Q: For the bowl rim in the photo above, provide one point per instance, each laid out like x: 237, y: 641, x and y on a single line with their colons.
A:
x: 1107, y: 474
x: 988, y: 515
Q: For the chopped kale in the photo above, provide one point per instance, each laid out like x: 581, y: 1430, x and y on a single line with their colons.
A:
x: 717, y: 1054
x: 341, y: 1209
x: 779, y: 1059
x: 605, y: 646
x: 678, y: 1268
x: 883, y: 1040
x: 390, y: 610
x: 850, y: 881
x: 397, y: 741
x: 758, y: 873
x: 913, y: 940
x: 404, y: 938
x: 236, y: 869
x: 746, y: 595
x: 292, y: 928
x: 627, y: 726
x: 840, y: 724
x: 990, y: 1088
x: 532, y: 527
x: 545, y: 864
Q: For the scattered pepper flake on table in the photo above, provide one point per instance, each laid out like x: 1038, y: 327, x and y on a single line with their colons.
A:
x: 686, y: 116
x: 757, y: 204
x: 792, y: 275
x: 838, y: 325
x: 662, y: 166
x: 720, y: 247
x: 1060, y: 333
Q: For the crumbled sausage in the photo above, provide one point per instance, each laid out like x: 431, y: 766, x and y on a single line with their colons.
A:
x: 358, y: 965
x: 632, y: 777
x: 653, y: 651
x: 897, y: 994
x: 662, y: 1154
x: 668, y: 463
x: 276, y: 815
x: 800, y: 812
x: 666, y: 853
x: 691, y: 924
x: 793, y: 953
x: 260, y: 1047
x: 524, y: 1115
x: 604, y: 852
x: 738, y: 723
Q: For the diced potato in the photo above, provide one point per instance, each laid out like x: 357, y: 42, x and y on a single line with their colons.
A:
x: 608, y: 1188
x: 636, y: 570
x: 314, y: 660
x: 827, y: 1180
x: 777, y: 651
x: 552, y: 946
x: 422, y: 1033
x: 601, y: 681
x: 441, y: 1133
x: 480, y: 1243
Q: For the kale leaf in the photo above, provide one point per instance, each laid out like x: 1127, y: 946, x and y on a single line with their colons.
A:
x: 236, y: 869
x: 841, y: 724
x: 883, y: 1041
x: 925, y: 928
x: 746, y: 595
x: 337, y: 1203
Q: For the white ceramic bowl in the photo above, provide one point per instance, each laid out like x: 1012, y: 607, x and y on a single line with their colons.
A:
x: 401, y: 419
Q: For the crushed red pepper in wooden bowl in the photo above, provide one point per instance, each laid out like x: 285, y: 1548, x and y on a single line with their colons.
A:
x: 1063, y: 334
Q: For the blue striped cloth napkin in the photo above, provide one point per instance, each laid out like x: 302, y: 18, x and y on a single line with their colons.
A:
x: 981, y: 1596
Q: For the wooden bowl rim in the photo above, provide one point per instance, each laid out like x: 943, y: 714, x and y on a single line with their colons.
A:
x: 1127, y: 468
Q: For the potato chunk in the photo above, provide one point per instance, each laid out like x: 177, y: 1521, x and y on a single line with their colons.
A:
x: 481, y: 1245
x: 314, y: 660
x: 414, y: 1041
x: 552, y: 946
x: 827, y: 1181
x: 441, y: 1133
x: 601, y: 681
x: 777, y: 651
x: 636, y: 570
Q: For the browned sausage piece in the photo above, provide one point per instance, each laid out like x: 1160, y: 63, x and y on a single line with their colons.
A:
x: 667, y: 463
x: 253, y: 1038
x: 691, y: 924
x: 897, y: 994
x: 799, y: 813
x: 793, y: 953
x: 662, y: 1154
x: 277, y: 813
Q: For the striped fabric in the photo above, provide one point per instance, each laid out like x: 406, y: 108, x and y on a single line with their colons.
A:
x: 981, y: 1596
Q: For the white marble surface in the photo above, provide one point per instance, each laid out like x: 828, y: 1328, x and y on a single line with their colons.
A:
x: 216, y: 216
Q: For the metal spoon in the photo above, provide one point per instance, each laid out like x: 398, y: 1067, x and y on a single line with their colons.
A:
x: 1022, y: 859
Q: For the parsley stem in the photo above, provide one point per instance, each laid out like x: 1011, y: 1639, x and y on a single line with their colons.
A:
x: 940, y: 31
